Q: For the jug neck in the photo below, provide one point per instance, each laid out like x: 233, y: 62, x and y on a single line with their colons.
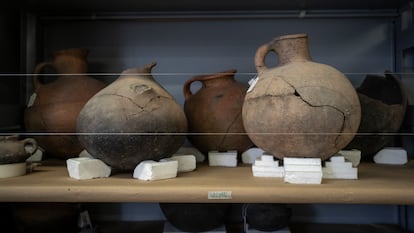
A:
x: 219, y: 79
x: 292, y: 48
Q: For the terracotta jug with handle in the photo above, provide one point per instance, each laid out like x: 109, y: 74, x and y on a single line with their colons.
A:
x: 300, y: 108
x: 55, y: 105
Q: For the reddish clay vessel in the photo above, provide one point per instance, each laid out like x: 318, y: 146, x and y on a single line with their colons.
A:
x: 56, y: 105
x: 214, y: 113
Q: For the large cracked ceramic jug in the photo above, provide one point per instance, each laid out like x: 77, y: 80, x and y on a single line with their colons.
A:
x: 299, y: 108
x: 131, y: 120
x: 54, y: 110
x: 214, y: 113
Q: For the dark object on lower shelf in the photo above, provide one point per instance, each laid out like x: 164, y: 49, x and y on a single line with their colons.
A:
x: 46, y: 217
x: 195, y: 217
x: 343, y: 228
x: 267, y: 217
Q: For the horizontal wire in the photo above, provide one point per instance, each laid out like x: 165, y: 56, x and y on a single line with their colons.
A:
x: 197, y: 134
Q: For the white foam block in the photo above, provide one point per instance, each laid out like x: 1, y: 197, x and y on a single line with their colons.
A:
x: 87, y: 168
x: 266, y: 161
x: 186, y: 163
x: 268, y: 171
x: 303, y: 177
x: 338, y: 168
x: 302, y: 161
x: 223, y: 159
x: 151, y: 170
x: 331, y: 173
x: 265, y: 166
x: 250, y: 155
x: 391, y: 155
x: 354, y: 156
x: 303, y: 170
x: 200, y: 157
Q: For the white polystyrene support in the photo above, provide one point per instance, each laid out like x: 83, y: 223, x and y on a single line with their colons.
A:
x: 87, y: 168
x: 339, y: 168
x: 303, y: 170
x: 186, y: 163
x: 150, y: 170
x: 265, y: 166
x: 222, y: 159
x: 250, y: 155
x: 354, y: 156
x: 391, y: 155
x: 200, y: 157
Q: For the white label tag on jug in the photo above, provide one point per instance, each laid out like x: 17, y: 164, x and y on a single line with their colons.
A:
x: 252, y: 83
x: 32, y: 99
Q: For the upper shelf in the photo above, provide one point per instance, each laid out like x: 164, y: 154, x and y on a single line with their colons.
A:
x: 377, y: 184
x: 212, y: 5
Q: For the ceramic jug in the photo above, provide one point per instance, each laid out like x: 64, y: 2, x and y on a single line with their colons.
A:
x: 299, y: 108
x: 214, y: 113
x: 13, y: 150
x: 131, y: 120
x: 55, y: 105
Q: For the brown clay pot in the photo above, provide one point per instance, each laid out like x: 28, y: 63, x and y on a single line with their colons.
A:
x: 299, y: 108
x: 214, y: 113
x: 57, y: 104
x: 383, y: 106
x: 131, y: 120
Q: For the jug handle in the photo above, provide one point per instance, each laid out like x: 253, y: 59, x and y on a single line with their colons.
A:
x: 30, y: 142
x: 39, y: 67
x: 201, y: 78
x: 259, y: 59
x: 187, y: 86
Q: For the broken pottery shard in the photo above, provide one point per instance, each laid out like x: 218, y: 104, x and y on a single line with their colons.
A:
x: 87, y: 168
x: 391, y: 155
x: 186, y: 163
x: 250, y: 155
x: 223, y: 159
x: 151, y: 170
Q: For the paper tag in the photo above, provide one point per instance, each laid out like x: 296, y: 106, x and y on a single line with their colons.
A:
x: 32, y: 99
x: 252, y: 83
x: 219, y: 195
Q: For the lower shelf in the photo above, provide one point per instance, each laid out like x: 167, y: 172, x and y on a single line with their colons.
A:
x: 377, y: 184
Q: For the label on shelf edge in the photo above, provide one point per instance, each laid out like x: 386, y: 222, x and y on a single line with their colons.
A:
x: 219, y: 195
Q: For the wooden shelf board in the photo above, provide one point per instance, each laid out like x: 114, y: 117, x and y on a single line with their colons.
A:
x: 377, y: 184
